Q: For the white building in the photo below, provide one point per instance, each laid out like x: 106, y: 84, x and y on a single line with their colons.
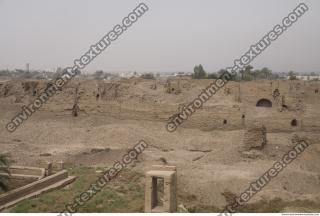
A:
x: 306, y: 77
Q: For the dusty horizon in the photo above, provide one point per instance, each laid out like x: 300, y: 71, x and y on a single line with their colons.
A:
x: 52, y: 34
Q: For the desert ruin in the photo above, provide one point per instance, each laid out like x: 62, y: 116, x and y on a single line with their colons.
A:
x: 231, y: 141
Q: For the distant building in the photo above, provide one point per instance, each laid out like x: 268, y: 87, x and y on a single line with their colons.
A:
x: 129, y: 74
x: 305, y: 77
x: 181, y: 74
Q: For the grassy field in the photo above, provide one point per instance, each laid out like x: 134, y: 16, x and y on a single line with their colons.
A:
x: 125, y: 193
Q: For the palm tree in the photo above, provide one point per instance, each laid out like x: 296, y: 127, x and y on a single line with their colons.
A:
x: 248, y: 72
x: 4, y: 169
x: 266, y: 72
x: 199, y: 72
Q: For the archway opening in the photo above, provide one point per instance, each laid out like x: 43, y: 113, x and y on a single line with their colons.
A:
x: 264, y: 103
x: 294, y: 123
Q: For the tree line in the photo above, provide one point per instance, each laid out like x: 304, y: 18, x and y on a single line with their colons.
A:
x: 246, y: 74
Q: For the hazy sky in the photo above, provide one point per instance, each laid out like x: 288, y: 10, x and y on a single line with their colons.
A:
x: 174, y: 35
